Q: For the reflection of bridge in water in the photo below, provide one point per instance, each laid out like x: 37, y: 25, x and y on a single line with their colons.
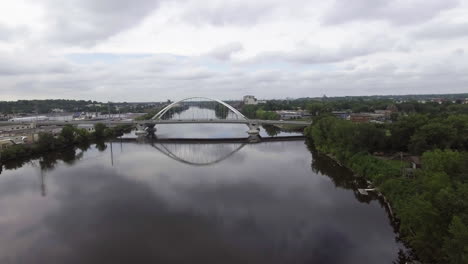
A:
x: 198, y: 154
x: 190, y: 151
x: 203, y: 152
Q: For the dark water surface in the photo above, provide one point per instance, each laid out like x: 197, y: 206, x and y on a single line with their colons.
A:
x: 270, y: 202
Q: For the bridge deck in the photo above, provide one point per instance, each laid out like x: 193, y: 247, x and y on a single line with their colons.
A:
x: 168, y: 122
x: 210, y: 140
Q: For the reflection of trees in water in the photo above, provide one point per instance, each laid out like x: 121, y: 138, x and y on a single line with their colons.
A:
x: 344, y: 178
x: 341, y: 176
x: 101, y: 146
x: 271, y: 130
x: 48, y: 160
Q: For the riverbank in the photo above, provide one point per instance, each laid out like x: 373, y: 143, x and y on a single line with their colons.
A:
x: 69, y: 137
x: 429, y: 203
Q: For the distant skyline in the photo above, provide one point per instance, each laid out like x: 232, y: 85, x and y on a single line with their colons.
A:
x: 154, y: 50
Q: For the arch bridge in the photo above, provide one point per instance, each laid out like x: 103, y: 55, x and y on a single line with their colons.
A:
x: 226, y: 114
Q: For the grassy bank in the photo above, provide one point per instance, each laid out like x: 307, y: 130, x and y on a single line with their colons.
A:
x: 430, y: 203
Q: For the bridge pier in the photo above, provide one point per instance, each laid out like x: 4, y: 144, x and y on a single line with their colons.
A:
x: 254, y: 138
x: 145, y: 129
x: 140, y: 130
x: 254, y: 128
x: 254, y: 132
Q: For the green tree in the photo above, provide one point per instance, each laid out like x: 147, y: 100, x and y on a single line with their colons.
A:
x: 431, y: 136
x: 99, y: 130
x: 316, y: 108
x: 47, y: 142
x: 67, y: 135
x: 456, y: 245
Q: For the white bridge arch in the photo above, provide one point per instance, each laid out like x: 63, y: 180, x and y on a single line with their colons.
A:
x: 167, y: 108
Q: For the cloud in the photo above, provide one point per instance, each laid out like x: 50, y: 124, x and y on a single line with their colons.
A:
x: 158, y: 49
x: 86, y: 22
x: 9, y: 32
x: 395, y: 11
x: 313, y: 54
x: 442, y: 31
x: 226, y: 51
x: 223, y: 13
x: 24, y: 64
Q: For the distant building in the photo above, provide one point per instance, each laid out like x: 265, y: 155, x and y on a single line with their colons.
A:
x: 19, y: 126
x: 291, y: 114
x: 57, y: 110
x: 5, y: 143
x: 28, y: 119
x: 385, y: 113
x: 87, y: 127
x: 93, y: 105
x: 341, y: 114
x: 415, y: 161
x: 360, y: 118
x: 250, y: 100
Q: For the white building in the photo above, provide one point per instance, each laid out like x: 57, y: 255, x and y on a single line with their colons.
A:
x: 5, y: 143
x: 19, y: 126
x: 250, y: 100
x: 290, y: 114
x: 87, y: 127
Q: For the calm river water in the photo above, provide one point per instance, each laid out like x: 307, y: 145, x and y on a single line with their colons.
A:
x: 273, y: 202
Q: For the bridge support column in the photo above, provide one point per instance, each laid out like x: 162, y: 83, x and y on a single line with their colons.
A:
x: 254, y: 132
x: 254, y: 128
x: 151, y: 130
x: 141, y: 130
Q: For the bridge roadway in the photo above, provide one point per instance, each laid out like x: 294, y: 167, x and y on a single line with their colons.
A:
x: 168, y: 122
x: 208, y: 140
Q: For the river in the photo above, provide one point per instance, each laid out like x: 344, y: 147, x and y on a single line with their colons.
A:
x: 140, y: 202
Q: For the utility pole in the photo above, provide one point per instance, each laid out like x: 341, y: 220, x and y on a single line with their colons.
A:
x: 112, y: 154
x: 108, y: 108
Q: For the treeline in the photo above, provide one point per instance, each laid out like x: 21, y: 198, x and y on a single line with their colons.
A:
x: 45, y: 106
x: 431, y: 202
x: 354, y: 105
x: 259, y: 112
x: 48, y: 105
x: 68, y: 137
x: 414, y: 133
x: 357, y: 106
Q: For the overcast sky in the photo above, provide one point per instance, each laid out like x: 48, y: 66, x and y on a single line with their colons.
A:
x: 151, y: 50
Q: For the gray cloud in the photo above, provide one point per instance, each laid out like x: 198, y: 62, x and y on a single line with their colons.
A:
x: 221, y: 13
x: 9, y: 32
x: 442, y: 31
x: 312, y: 54
x: 86, y: 22
x: 226, y: 51
x: 23, y: 64
x: 397, y: 12
x: 186, y: 78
